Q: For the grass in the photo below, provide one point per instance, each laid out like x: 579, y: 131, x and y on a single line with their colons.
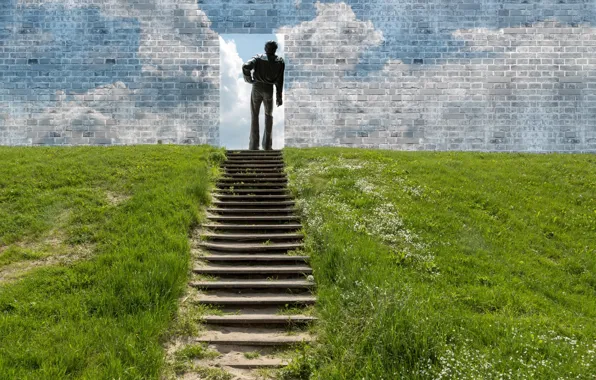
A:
x: 448, y: 264
x: 251, y: 355
x: 195, y: 351
x: 428, y: 265
x: 107, y: 315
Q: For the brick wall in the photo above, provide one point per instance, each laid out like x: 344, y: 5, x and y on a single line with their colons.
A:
x: 107, y: 72
x: 495, y: 75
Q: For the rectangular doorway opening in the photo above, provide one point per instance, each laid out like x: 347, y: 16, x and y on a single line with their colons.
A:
x: 235, y: 93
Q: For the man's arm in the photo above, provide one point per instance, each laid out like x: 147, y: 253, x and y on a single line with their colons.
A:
x: 247, y: 67
x: 279, y: 83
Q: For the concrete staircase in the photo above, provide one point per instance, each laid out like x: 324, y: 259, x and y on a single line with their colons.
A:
x: 248, y: 270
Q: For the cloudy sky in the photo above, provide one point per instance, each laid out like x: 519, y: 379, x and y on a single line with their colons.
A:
x: 235, y: 49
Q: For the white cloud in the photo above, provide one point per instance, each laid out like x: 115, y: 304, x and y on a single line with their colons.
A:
x: 235, y: 103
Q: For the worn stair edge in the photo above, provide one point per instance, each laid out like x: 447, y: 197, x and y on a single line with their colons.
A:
x: 239, y: 185
x: 256, y: 160
x: 273, y: 154
x: 239, y: 247
x: 254, y: 163
x: 253, y: 171
x: 256, y: 300
x: 253, y: 210
x: 263, y: 151
x: 251, y: 339
x: 251, y: 180
x: 288, y: 226
x: 254, y: 284
x: 250, y: 198
x: 252, y: 257
x: 229, y: 269
x: 278, y: 191
x: 257, y: 319
x: 232, y: 204
x: 255, y: 364
x: 257, y: 175
x: 255, y: 218
x: 248, y: 237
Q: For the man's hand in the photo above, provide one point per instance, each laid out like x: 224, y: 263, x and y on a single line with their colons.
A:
x: 279, y: 101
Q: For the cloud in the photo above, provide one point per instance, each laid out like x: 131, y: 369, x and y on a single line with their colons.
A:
x: 397, y: 105
x: 235, y: 97
x: 335, y: 40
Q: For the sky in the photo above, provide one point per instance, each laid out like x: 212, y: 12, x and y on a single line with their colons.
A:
x: 235, y: 49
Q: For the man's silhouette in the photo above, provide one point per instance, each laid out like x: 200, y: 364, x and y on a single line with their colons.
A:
x: 268, y: 70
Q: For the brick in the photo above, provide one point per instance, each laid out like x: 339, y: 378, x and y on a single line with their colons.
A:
x: 425, y: 90
x: 452, y: 116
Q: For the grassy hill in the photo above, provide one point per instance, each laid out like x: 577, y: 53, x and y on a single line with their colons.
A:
x: 428, y: 265
x: 449, y: 265
x: 93, y: 255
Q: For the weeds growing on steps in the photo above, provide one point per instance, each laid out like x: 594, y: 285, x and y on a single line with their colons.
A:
x: 104, y: 316
x: 448, y: 265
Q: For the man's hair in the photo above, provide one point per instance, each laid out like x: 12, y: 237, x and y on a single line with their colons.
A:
x: 271, y: 47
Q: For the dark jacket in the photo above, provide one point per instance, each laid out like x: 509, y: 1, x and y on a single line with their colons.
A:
x: 268, y: 69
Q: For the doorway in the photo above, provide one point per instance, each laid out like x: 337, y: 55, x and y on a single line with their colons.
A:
x: 234, y: 121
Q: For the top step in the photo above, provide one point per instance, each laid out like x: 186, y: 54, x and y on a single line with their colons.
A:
x: 276, y: 155
x: 251, y: 151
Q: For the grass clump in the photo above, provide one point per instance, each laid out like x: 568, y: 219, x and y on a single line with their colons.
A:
x: 105, y: 316
x: 448, y: 264
x: 211, y: 373
x: 251, y: 355
x: 195, y: 351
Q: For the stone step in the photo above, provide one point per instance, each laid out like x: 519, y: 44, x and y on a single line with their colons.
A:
x: 275, y: 191
x: 254, y: 151
x: 249, y: 270
x: 265, y: 162
x: 247, y: 247
x: 258, y: 154
x: 257, y: 179
x: 242, y: 363
x: 249, y: 158
x: 251, y: 237
x: 250, y: 180
x: 258, y: 299
x: 253, y: 319
x: 245, y: 198
x: 232, y: 204
x: 253, y: 211
x: 253, y: 339
x: 250, y: 185
x: 254, y: 284
x: 254, y: 219
x: 252, y: 164
x: 268, y: 258
x: 254, y: 157
x: 256, y: 175
x: 248, y: 170
x: 258, y: 227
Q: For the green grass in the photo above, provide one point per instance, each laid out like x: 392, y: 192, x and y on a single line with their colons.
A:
x: 105, y: 316
x: 251, y: 355
x: 196, y: 351
x: 428, y: 265
x: 448, y: 264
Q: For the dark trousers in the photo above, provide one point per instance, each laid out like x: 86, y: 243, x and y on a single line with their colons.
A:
x: 261, y: 93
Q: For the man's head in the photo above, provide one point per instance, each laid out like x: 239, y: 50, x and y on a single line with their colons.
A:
x: 270, y: 47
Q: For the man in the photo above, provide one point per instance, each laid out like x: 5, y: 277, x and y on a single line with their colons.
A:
x: 268, y: 70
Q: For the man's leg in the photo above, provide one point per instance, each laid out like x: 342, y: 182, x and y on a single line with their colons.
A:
x: 267, y: 138
x: 255, y: 107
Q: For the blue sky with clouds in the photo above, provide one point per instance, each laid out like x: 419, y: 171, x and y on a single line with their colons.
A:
x: 235, y: 49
